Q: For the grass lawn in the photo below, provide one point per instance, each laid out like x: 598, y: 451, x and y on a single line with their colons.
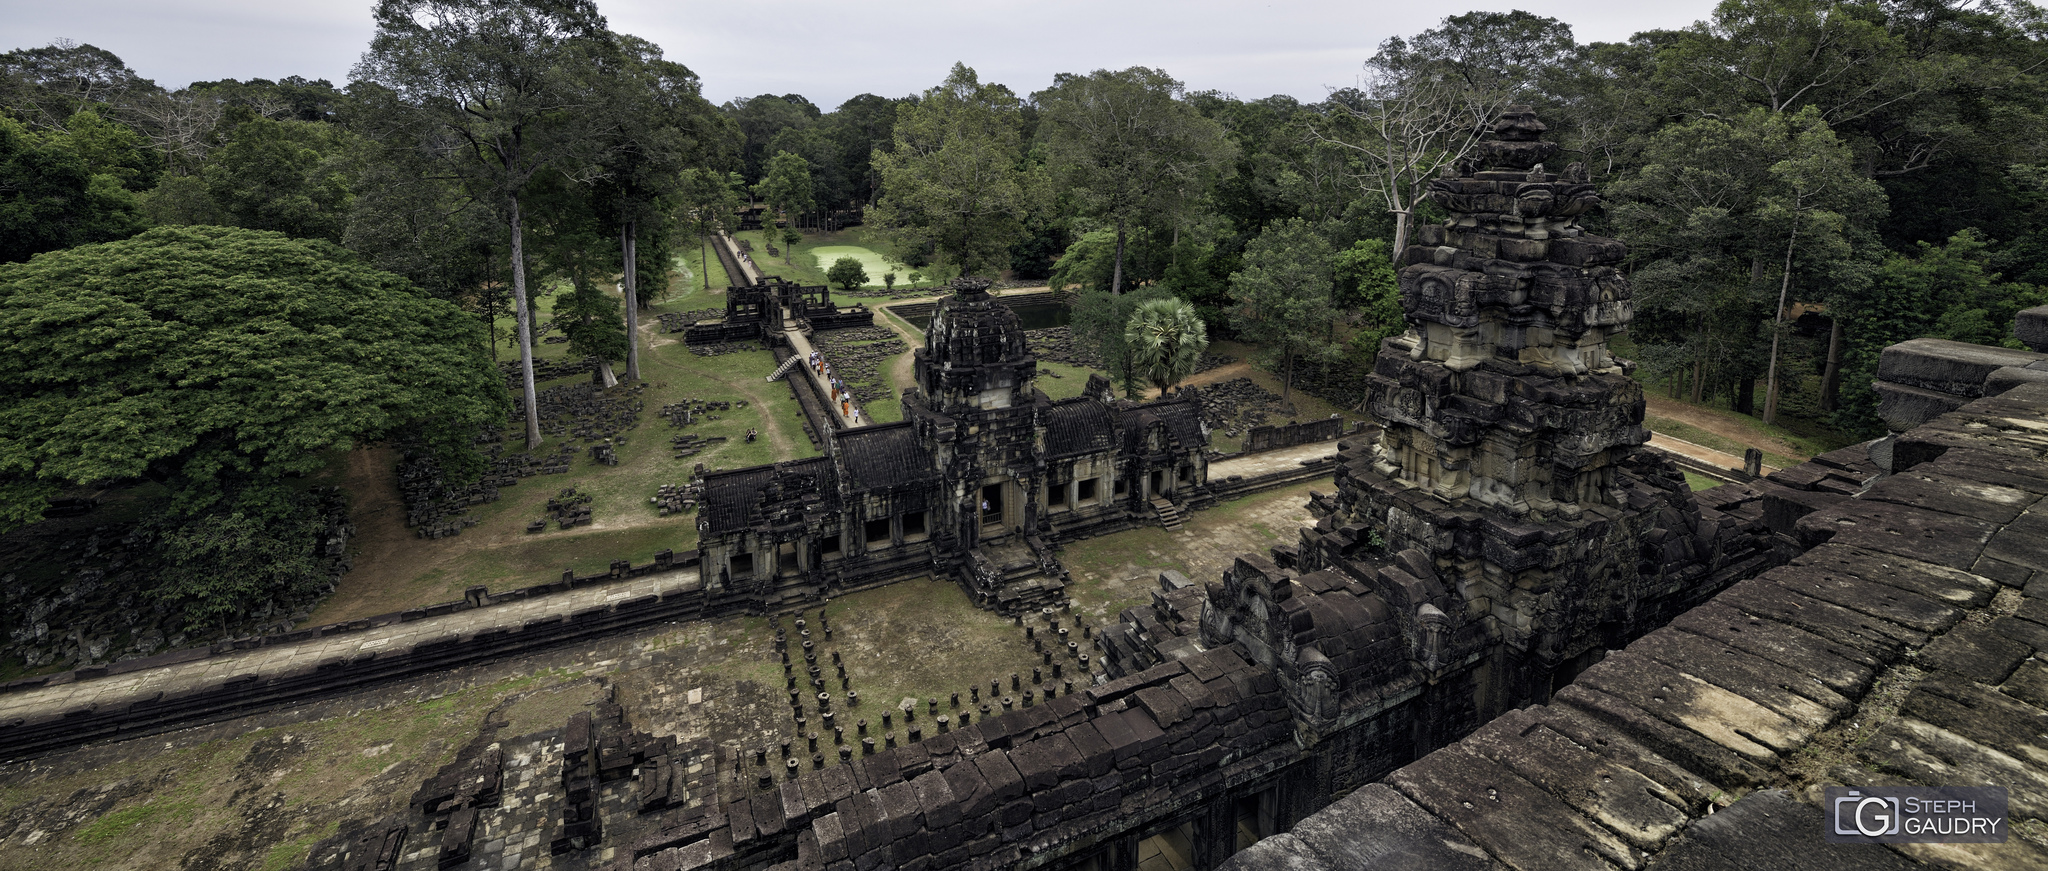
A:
x: 1681, y: 430
x: 497, y: 552
x: 1700, y: 482
x: 871, y: 262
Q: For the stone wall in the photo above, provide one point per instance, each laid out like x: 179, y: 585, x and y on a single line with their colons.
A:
x: 1269, y: 438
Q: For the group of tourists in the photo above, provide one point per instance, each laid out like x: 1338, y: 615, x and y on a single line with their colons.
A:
x: 841, y: 393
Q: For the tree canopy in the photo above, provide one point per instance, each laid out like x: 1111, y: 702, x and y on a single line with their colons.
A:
x: 953, y: 189
x: 216, y: 359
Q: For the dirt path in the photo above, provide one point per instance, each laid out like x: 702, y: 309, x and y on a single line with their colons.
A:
x: 902, y: 370
x: 1717, y: 422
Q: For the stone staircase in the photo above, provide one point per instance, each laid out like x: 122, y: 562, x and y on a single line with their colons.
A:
x: 1011, y: 579
x: 1169, y: 516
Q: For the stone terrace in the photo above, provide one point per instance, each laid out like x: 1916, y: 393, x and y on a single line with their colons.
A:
x: 1907, y: 645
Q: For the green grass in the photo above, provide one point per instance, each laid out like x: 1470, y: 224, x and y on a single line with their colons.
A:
x: 1700, y: 482
x: 871, y: 262
x: 1703, y: 438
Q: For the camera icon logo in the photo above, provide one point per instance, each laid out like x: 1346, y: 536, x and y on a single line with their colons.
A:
x: 1868, y: 815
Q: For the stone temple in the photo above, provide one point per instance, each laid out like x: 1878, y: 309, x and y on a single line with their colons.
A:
x: 981, y: 478
x: 1513, y: 639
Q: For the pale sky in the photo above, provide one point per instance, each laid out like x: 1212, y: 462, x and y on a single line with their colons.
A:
x: 829, y: 52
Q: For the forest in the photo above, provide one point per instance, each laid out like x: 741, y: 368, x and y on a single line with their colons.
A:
x: 1801, y: 183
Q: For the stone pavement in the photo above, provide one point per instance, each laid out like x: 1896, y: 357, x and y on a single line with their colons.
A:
x: 802, y: 347
x: 1702, y: 453
x: 1284, y: 459
x: 120, y: 690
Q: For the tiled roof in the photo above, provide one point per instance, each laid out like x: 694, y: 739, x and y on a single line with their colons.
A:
x: 1079, y: 426
x: 732, y: 499
x: 881, y: 457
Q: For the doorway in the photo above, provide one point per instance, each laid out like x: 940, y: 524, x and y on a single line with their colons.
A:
x: 992, y: 509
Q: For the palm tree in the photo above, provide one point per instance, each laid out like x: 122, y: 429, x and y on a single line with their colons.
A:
x: 1167, y: 339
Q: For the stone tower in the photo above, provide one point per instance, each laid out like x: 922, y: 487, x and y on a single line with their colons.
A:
x: 974, y: 406
x: 1509, y: 463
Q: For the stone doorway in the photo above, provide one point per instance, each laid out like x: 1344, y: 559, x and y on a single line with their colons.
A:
x: 991, y: 511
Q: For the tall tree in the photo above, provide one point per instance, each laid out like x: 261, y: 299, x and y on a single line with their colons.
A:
x: 707, y: 199
x: 1724, y: 217
x: 1424, y: 103
x: 787, y: 187
x: 502, y: 90
x: 1127, y: 149
x: 1283, y: 295
x: 661, y: 125
x: 1167, y: 339
x: 953, y: 189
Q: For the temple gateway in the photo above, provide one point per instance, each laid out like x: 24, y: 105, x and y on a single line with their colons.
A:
x: 980, y: 479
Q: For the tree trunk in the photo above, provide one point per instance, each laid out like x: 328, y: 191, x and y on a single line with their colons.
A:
x: 1831, y: 380
x: 605, y: 378
x: 705, y: 262
x: 632, y: 301
x: 1699, y: 381
x: 1400, y: 236
x: 1777, y: 329
x: 1745, y: 395
x: 525, y: 321
x: 1287, y: 382
x: 1116, y: 279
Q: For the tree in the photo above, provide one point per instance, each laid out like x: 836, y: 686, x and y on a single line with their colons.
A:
x: 1167, y: 339
x: 1283, y: 295
x: 50, y: 198
x: 953, y: 190
x: 1722, y: 216
x: 787, y: 189
x: 217, y: 360
x: 849, y: 274
x: 590, y: 318
x: 889, y: 281
x: 501, y: 90
x: 1365, y: 279
x: 790, y: 238
x: 1127, y: 149
x: 1101, y: 322
x: 284, y: 176
x: 660, y: 124
x: 1424, y: 103
x: 707, y: 198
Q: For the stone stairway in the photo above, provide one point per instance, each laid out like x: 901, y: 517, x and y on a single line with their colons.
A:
x: 1169, y: 516
x: 1009, y: 574
x: 791, y: 363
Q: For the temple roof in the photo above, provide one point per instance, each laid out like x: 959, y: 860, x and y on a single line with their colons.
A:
x: 881, y: 457
x: 1079, y: 426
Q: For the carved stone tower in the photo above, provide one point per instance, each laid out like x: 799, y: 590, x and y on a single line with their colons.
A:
x: 1509, y: 457
x: 975, y: 407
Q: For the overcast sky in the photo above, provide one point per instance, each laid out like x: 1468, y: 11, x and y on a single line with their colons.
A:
x: 831, y: 51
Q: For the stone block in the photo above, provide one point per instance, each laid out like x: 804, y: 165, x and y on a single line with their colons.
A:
x: 1888, y: 603
x: 1166, y: 706
x: 1793, y: 695
x: 935, y: 796
x: 2031, y: 328
x: 1770, y: 830
x: 1506, y: 815
x: 1694, y: 752
x: 1954, y: 368
x: 1975, y: 652
x: 1838, y: 667
x: 1000, y: 776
